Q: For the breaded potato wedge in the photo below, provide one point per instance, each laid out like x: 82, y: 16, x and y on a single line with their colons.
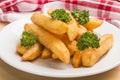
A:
x: 50, y: 11
x: 54, y: 56
x: 72, y: 47
x: 93, y: 23
x: 72, y: 29
x: 81, y: 30
x: 64, y: 38
x: 33, y: 52
x: 77, y: 59
x: 51, y: 42
x: 51, y: 25
x: 70, y: 44
x: 21, y: 49
x: 46, y: 53
x: 90, y: 56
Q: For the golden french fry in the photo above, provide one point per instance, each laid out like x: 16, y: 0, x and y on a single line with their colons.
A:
x: 90, y: 56
x: 51, y: 42
x: 33, y: 52
x: 52, y: 25
x: 46, y: 53
x: 81, y: 30
x: 54, y: 56
x: 50, y: 11
x: 72, y: 29
x: 93, y: 23
x: 77, y: 59
x: 72, y: 47
x: 68, y: 43
x: 64, y: 38
x: 20, y: 49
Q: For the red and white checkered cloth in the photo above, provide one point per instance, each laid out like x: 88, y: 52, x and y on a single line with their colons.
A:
x: 109, y: 10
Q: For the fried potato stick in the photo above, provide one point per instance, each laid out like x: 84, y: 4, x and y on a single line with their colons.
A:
x: 54, y: 56
x: 33, y: 52
x: 52, y: 25
x: 72, y: 47
x: 93, y: 23
x: 72, y: 27
x: 77, y: 59
x: 51, y: 42
x: 46, y: 53
x: 81, y: 30
x: 21, y: 49
x: 90, y: 56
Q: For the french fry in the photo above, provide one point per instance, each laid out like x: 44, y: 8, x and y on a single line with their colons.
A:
x: 93, y: 23
x: 90, y: 56
x: 46, y: 53
x: 51, y: 42
x: 54, y: 56
x: 81, y: 30
x: 50, y: 11
x: 68, y: 43
x: 64, y: 38
x: 72, y: 47
x: 52, y: 25
x: 77, y: 59
x: 72, y: 27
x: 20, y: 49
x: 33, y: 52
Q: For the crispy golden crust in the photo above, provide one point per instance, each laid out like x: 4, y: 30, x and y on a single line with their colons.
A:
x: 51, y: 25
x: 90, y: 56
x: 20, y: 49
x: 93, y: 23
x: 72, y: 29
x: 72, y: 32
x: 46, y: 53
x: 33, y: 52
x: 77, y: 59
x: 51, y: 42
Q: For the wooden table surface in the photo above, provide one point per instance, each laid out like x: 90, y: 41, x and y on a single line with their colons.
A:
x: 9, y: 73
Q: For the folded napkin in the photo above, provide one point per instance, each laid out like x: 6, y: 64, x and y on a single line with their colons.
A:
x: 109, y: 10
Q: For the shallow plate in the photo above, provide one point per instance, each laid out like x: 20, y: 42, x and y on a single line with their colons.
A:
x: 10, y: 35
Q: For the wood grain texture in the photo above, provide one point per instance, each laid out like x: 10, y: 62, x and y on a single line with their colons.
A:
x: 9, y: 73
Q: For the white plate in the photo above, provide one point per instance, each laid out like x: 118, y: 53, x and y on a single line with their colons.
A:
x: 10, y: 35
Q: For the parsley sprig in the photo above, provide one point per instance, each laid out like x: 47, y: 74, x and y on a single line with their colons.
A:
x: 61, y: 14
x: 87, y: 40
x: 81, y: 16
x: 28, y: 39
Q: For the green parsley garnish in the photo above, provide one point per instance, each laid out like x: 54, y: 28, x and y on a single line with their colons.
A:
x: 61, y: 14
x: 28, y: 39
x: 87, y: 40
x: 81, y: 16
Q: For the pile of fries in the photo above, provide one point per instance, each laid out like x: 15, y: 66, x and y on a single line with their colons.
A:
x: 57, y: 40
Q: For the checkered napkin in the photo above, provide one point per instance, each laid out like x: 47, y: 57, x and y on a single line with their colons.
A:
x: 109, y: 10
